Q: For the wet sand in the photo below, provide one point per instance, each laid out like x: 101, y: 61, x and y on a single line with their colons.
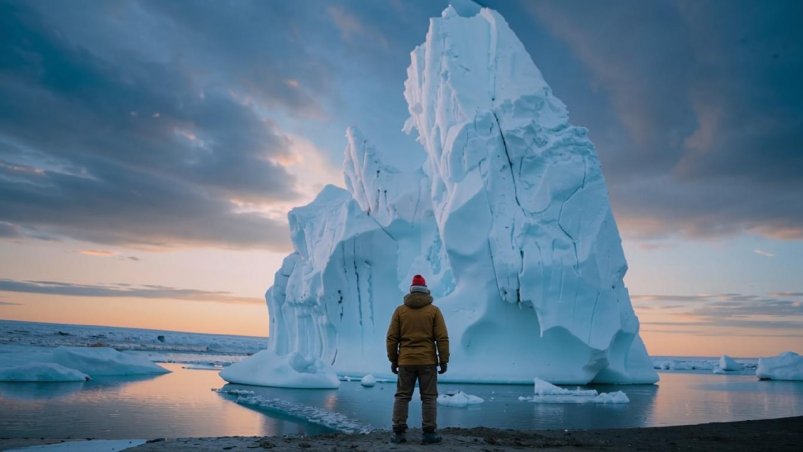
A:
x: 785, y: 434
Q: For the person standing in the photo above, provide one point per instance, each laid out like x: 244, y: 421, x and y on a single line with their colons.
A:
x: 417, y: 344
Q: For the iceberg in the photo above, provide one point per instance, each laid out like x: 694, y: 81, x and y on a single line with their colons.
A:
x: 786, y: 366
x: 505, y: 212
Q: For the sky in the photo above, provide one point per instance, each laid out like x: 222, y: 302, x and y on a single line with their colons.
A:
x: 150, y: 151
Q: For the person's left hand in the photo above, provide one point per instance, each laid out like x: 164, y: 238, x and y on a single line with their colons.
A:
x: 443, y: 368
x: 394, y: 367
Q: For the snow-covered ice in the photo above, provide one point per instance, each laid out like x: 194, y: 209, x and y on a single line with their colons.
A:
x: 727, y: 364
x: 291, y: 370
x: 125, y: 339
x: 786, y: 366
x: 33, y: 363
x: 368, y: 381
x: 97, y: 361
x: 459, y: 399
x: 505, y: 212
x: 545, y: 392
x: 42, y: 372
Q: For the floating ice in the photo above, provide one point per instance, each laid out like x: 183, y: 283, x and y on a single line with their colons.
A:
x: 460, y: 399
x: 786, y: 366
x: 287, y: 371
x: 545, y: 392
x: 677, y: 364
x: 41, y: 372
x: 320, y: 416
x: 97, y: 361
x: 368, y: 381
x: 508, y: 218
x: 727, y: 364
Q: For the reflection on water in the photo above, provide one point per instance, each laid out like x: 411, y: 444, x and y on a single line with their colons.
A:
x: 695, y: 399
x: 183, y: 404
x: 178, y: 404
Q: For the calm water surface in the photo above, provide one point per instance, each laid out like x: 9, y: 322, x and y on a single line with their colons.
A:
x: 183, y: 404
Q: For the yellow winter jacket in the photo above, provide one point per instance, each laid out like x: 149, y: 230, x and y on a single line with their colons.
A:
x: 417, y: 333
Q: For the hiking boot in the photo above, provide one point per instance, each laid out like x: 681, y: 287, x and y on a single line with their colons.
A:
x: 431, y: 438
x: 398, y: 438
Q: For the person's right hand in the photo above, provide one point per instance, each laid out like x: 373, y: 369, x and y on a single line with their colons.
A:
x: 394, y: 367
x: 443, y: 368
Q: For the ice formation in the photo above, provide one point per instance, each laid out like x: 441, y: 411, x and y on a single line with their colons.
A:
x: 459, y: 399
x: 726, y: 363
x: 508, y: 218
x: 368, y: 381
x: 786, y: 366
x: 41, y: 372
x: 291, y: 370
x: 103, y: 361
x: 545, y: 392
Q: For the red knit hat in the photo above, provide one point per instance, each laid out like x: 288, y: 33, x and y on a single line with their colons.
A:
x: 419, y: 280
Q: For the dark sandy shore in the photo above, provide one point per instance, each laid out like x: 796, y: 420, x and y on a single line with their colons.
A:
x: 764, y: 435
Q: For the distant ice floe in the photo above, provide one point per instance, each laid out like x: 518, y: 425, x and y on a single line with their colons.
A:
x: 41, y: 372
x: 123, y: 339
x: 73, y: 364
x: 728, y: 365
x: 786, y: 366
x: 545, y: 392
x: 315, y: 415
x: 104, y: 361
x: 459, y: 399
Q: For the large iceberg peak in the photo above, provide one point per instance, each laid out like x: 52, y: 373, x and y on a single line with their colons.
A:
x: 508, y: 218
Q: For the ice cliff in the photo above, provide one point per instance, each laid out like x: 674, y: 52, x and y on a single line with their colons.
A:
x: 508, y: 218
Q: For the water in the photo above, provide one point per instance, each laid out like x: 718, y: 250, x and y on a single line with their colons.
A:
x: 179, y: 404
x: 183, y: 404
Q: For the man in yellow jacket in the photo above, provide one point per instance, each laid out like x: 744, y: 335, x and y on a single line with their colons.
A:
x: 417, y: 343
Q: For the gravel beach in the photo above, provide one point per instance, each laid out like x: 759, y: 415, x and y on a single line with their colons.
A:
x: 784, y: 434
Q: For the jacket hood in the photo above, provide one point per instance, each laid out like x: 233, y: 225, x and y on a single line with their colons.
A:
x: 417, y: 300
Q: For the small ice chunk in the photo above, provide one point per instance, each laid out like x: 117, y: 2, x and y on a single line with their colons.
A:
x: 42, y: 372
x: 459, y: 399
x: 786, y: 366
x: 546, y: 392
x: 728, y: 363
x: 368, y: 381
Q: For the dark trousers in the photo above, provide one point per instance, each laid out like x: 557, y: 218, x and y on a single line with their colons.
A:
x: 427, y: 377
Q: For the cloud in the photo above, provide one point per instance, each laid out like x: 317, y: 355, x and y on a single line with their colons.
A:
x: 8, y: 230
x: 108, y: 253
x: 763, y: 253
x: 773, y: 312
x: 129, y: 151
x: 121, y: 291
x: 8, y: 303
x: 708, y: 111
